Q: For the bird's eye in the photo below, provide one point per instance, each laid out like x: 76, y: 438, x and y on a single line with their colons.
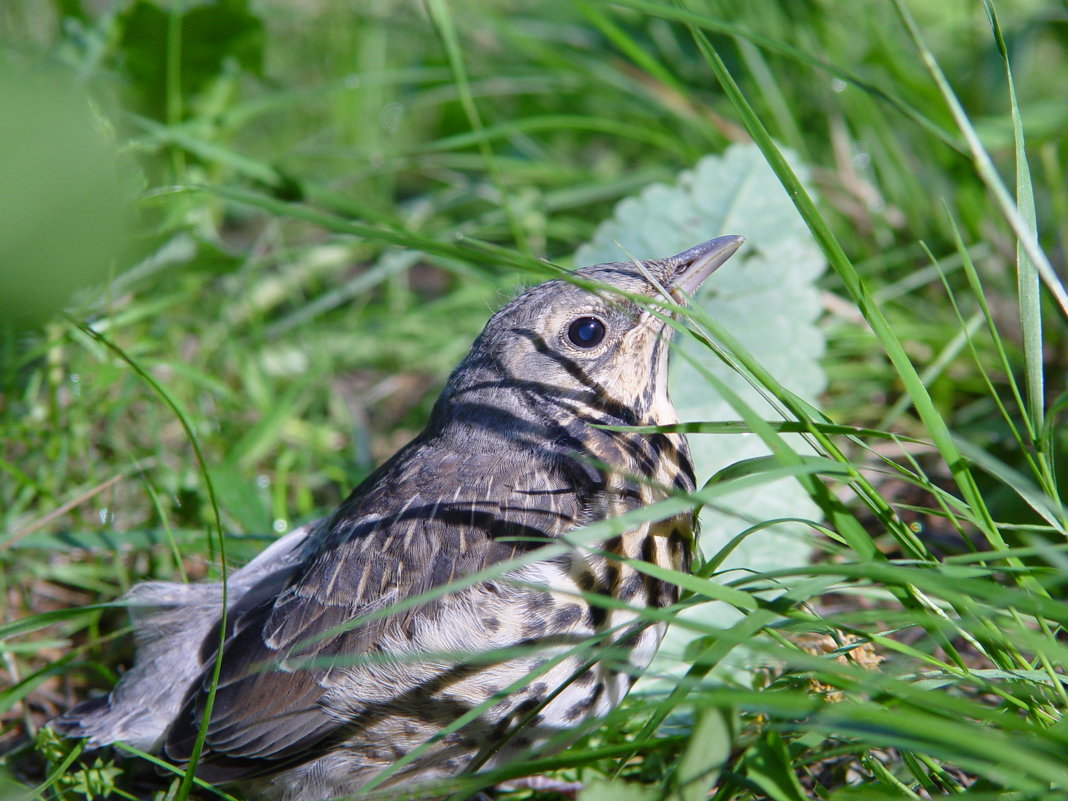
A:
x: 586, y: 332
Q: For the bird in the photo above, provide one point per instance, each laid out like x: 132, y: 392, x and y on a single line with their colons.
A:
x: 378, y: 647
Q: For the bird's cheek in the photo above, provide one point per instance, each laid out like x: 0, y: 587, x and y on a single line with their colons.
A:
x: 544, y: 369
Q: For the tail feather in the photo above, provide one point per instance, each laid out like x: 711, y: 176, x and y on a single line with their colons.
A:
x: 170, y: 622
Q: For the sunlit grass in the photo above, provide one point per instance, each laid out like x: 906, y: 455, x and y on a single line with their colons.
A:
x: 333, y: 203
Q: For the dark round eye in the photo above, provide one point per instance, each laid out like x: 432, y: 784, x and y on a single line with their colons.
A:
x: 586, y: 332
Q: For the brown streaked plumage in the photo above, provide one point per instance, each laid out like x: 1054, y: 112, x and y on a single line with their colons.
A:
x: 310, y: 705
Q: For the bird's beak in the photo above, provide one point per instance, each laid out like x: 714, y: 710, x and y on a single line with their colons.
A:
x: 688, y: 270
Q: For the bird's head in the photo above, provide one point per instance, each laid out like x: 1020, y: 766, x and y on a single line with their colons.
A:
x: 584, y: 348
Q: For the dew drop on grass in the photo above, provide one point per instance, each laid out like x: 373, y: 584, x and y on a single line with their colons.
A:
x: 391, y: 117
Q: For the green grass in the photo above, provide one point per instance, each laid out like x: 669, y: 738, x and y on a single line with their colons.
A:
x: 330, y: 200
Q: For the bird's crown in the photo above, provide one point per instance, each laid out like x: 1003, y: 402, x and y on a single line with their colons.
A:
x: 583, y: 344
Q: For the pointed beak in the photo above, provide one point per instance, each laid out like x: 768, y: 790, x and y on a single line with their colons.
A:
x: 688, y: 270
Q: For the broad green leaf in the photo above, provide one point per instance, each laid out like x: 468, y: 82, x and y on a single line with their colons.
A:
x: 210, y: 38
x: 765, y: 295
x: 617, y: 790
x: 705, y: 755
x: 768, y: 765
x: 62, y: 204
x: 241, y: 498
x: 767, y: 298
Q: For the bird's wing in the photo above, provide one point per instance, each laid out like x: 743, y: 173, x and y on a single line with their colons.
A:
x: 286, y: 648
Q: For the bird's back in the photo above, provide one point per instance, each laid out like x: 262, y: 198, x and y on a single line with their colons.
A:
x: 383, y: 681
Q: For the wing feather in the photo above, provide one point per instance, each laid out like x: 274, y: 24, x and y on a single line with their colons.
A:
x: 288, y: 645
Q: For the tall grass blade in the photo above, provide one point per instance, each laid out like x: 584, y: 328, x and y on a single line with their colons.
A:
x: 985, y: 167
x: 1027, y: 279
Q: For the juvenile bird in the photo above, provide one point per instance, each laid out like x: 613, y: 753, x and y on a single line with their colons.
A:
x: 324, y: 686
